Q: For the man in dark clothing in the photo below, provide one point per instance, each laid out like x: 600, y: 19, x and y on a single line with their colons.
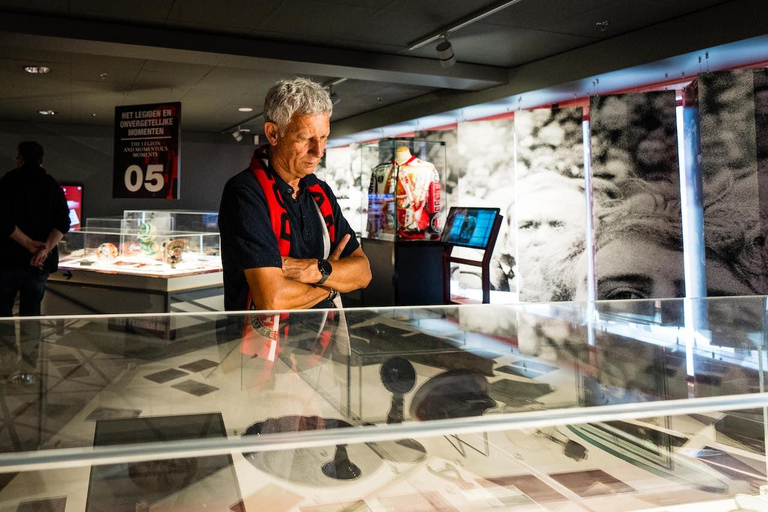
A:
x: 33, y: 218
x: 285, y: 242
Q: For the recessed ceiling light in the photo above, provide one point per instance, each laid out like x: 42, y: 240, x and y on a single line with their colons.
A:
x: 46, y: 112
x: 245, y: 109
x: 37, y: 70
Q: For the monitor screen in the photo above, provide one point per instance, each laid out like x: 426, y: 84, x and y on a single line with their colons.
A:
x: 74, y: 195
x: 469, y: 227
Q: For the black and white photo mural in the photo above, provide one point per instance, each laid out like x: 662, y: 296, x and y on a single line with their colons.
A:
x: 635, y: 198
x: 733, y: 166
x: 336, y: 169
x: 549, y: 212
x: 485, y: 173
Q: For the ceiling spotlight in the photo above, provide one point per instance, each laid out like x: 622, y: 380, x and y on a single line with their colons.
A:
x: 245, y: 109
x: 46, y: 112
x: 37, y: 70
x: 445, y: 52
x: 238, y: 134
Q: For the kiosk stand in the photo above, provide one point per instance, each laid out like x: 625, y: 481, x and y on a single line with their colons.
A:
x: 476, y: 228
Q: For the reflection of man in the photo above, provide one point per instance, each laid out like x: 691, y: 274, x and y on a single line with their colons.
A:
x: 285, y: 242
x: 33, y: 218
x: 467, y: 229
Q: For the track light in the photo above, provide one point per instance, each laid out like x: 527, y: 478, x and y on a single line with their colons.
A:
x: 239, y: 133
x: 445, y: 52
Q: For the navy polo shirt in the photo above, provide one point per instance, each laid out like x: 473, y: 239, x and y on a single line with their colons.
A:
x: 247, y: 239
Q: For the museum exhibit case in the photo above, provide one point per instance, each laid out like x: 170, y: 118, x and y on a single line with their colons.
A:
x: 405, y: 215
x: 627, y: 405
x: 144, y: 261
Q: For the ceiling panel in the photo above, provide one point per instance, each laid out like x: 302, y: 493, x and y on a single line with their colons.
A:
x: 540, y: 14
x: 493, y: 44
x: 443, y: 10
x: 327, y: 41
x: 148, y: 11
x: 528, y: 31
x: 371, y: 4
x: 51, y: 6
x: 622, y: 17
x: 99, y: 68
x: 315, y: 18
x: 234, y: 16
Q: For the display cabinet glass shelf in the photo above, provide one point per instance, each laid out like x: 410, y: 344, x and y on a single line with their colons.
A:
x: 608, y: 406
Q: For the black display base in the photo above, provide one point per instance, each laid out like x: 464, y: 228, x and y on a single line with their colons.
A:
x: 404, y: 273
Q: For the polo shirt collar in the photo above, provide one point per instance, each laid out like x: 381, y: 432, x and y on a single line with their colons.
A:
x: 286, y: 190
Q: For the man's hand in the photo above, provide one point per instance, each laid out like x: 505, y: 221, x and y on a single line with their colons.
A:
x: 336, y: 254
x: 33, y: 246
x: 38, y: 260
x: 305, y: 270
x: 301, y: 270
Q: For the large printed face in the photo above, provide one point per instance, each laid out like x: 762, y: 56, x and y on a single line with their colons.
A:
x: 633, y: 267
x: 297, y: 152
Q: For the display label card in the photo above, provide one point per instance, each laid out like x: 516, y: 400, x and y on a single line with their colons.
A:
x: 146, y: 162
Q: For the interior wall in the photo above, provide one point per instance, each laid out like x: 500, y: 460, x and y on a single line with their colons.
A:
x: 83, y: 154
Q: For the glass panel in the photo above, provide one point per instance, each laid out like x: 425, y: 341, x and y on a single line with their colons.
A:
x: 611, y: 407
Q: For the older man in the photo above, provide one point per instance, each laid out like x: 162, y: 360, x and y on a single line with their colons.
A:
x: 285, y: 242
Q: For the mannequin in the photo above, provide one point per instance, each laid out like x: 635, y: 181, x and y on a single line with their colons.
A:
x: 409, y: 188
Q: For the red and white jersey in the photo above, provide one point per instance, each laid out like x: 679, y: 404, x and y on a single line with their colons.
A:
x: 408, y: 193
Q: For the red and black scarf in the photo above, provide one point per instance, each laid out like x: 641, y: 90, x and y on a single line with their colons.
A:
x: 269, y: 327
x: 277, y: 212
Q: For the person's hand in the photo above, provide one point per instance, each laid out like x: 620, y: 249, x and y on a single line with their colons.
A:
x: 33, y: 246
x: 301, y: 270
x: 305, y: 270
x: 336, y: 254
x: 38, y: 260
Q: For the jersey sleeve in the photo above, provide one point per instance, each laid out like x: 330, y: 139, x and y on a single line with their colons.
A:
x: 247, y: 238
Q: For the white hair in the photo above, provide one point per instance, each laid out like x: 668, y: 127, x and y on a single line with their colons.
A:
x: 295, y: 96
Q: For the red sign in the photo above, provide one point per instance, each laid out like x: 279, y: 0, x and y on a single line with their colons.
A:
x: 74, y: 196
x: 146, y: 162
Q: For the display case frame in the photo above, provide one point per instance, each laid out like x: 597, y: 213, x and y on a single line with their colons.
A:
x: 619, y: 405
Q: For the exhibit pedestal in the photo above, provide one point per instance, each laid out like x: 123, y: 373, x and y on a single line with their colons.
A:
x: 85, y: 292
x: 404, y: 273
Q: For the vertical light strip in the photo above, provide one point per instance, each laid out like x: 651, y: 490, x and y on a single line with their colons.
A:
x: 693, y: 230
x: 691, y: 204
x: 589, y: 240
x: 513, y: 222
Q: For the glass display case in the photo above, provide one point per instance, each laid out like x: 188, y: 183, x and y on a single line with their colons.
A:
x: 627, y: 405
x: 153, y: 243
x: 405, y: 180
x: 145, y: 261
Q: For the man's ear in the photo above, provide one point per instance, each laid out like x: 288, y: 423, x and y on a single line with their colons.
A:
x: 271, y: 132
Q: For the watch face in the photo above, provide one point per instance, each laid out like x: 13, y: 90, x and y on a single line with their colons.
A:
x: 325, y: 267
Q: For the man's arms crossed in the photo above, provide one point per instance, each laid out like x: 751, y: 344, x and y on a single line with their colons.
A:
x: 292, y: 287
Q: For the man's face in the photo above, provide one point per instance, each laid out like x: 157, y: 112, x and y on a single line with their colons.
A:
x: 298, y: 150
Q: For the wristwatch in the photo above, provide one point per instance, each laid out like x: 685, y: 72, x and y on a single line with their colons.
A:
x: 325, y: 269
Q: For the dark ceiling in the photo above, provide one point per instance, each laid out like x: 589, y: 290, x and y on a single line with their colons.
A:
x: 216, y: 56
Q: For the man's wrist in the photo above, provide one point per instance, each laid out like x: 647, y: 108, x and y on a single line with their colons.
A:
x: 325, y: 269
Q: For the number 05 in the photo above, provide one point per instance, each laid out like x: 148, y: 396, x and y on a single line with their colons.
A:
x: 134, y: 178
